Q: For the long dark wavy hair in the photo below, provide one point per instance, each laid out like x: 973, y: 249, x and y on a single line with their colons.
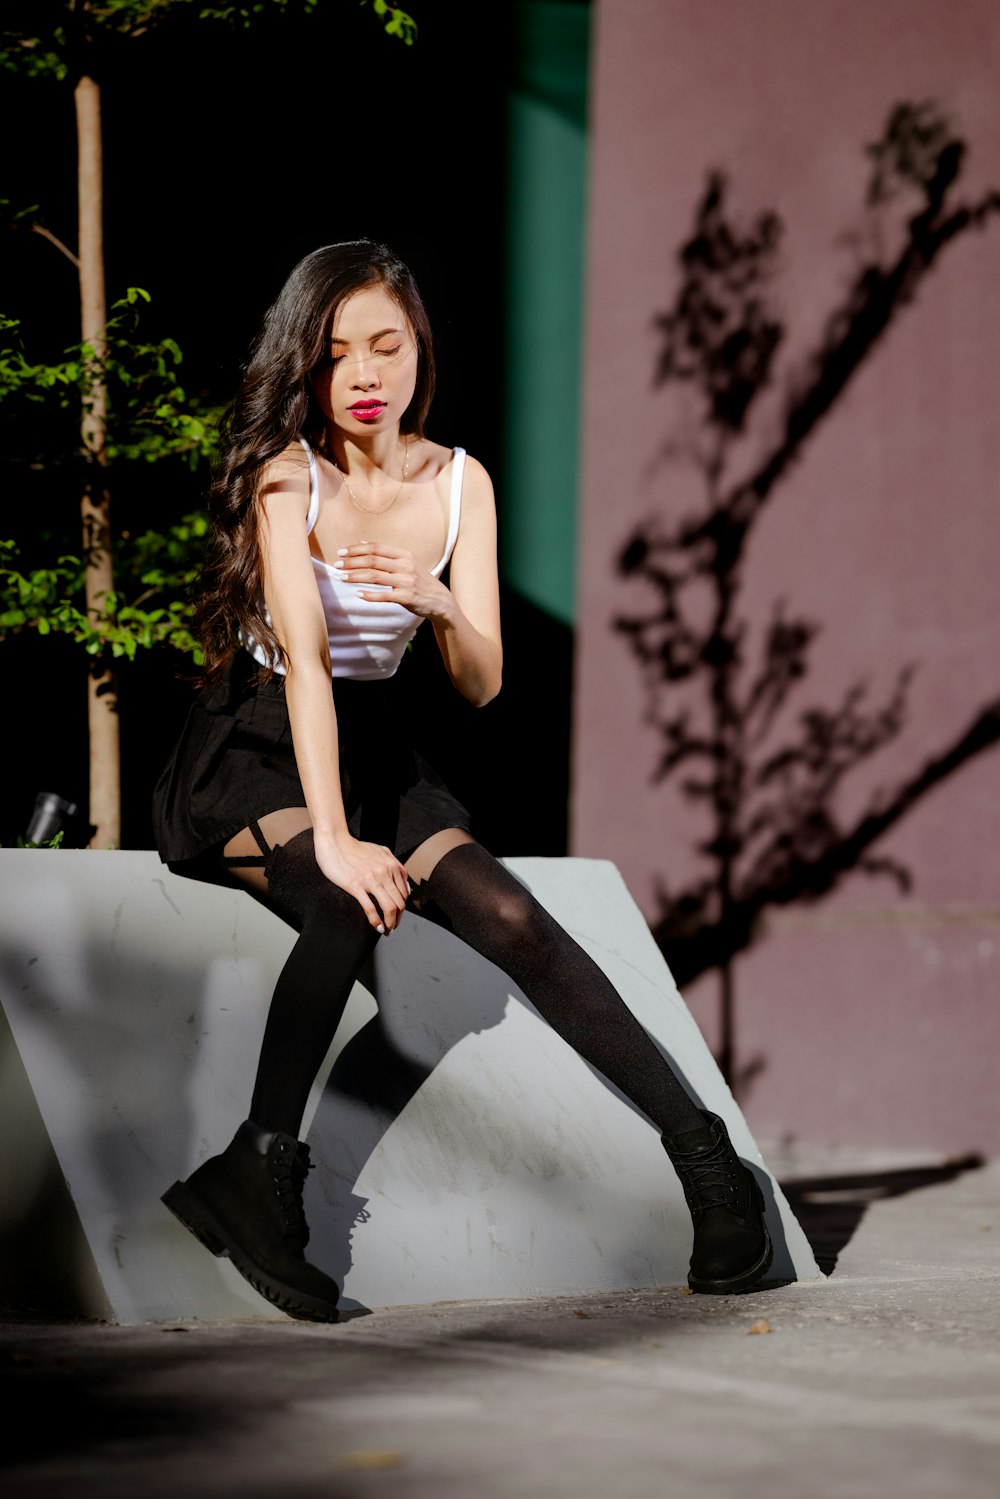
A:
x: 273, y: 405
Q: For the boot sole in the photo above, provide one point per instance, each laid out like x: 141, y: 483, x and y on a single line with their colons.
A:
x: 747, y: 1279
x: 189, y: 1210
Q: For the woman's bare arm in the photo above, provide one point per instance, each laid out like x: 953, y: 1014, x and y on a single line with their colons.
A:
x: 293, y: 600
x: 468, y: 627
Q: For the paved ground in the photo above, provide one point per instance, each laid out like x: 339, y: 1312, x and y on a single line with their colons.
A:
x: 883, y: 1380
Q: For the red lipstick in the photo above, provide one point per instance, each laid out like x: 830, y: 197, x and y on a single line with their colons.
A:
x: 367, y: 411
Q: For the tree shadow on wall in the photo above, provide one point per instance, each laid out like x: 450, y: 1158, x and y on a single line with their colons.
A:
x: 775, y: 837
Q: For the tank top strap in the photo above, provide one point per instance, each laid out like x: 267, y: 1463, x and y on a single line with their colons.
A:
x: 455, y: 501
x: 313, y: 487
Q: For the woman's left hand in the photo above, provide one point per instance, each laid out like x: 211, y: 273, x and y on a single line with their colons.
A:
x: 393, y: 574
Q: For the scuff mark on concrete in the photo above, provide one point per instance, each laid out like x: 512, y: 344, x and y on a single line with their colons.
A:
x: 116, y: 927
x: 495, y: 1242
x: 163, y: 891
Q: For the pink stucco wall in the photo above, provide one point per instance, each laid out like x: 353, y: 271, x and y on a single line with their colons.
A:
x: 877, y: 1016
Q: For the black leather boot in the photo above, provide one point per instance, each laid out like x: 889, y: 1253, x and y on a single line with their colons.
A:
x: 732, y: 1247
x: 247, y: 1203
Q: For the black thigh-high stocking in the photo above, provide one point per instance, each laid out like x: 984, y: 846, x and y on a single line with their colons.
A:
x: 335, y: 941
x: 472, y: 894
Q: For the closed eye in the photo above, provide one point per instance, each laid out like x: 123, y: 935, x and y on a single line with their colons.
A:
x: 330, y: 360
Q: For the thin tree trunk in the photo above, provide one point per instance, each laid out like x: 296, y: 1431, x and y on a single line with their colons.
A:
x: 95, y: 508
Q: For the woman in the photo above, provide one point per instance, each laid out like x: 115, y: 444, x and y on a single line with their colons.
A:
x: 335, y: 519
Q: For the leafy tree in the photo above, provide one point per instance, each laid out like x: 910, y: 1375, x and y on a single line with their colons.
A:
x: 774, y: 836
x: 123, y: 389
x: 148, y: 418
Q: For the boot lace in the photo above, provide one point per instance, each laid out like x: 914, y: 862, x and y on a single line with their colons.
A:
x: 290, y: 1165
x: 711, y: 1178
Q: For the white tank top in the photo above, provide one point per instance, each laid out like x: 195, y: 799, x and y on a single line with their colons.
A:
x: 367, y: 637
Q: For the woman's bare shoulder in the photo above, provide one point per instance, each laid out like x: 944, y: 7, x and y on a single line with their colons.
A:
x: 430, y: 460
x: 285, y: 474
x: 427, y: 460
x: 477, y: 486
x: 291, y: 462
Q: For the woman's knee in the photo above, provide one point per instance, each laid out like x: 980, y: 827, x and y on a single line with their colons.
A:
x: 483, y: 903
x: 302, y: 895
x: 518, y: 916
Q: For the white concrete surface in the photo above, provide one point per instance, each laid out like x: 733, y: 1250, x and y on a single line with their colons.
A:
x: 464, y: 1150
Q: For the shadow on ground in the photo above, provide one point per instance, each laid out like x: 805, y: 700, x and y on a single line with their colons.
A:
x: 830, y: 1208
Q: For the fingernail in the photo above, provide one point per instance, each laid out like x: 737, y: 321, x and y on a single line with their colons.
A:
x: 380, y: 929
x: 341, y: 551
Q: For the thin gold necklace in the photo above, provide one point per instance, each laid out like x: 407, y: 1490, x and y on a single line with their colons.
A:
x: 375, y: 509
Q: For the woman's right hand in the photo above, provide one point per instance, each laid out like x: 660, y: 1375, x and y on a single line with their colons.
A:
x: 370, y: 873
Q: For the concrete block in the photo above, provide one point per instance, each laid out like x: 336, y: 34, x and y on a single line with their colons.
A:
x: 463, y: 1149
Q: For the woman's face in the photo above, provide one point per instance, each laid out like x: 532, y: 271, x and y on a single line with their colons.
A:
x: 369, y: 372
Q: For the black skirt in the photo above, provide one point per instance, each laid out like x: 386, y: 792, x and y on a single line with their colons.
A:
x: 234, y: 763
